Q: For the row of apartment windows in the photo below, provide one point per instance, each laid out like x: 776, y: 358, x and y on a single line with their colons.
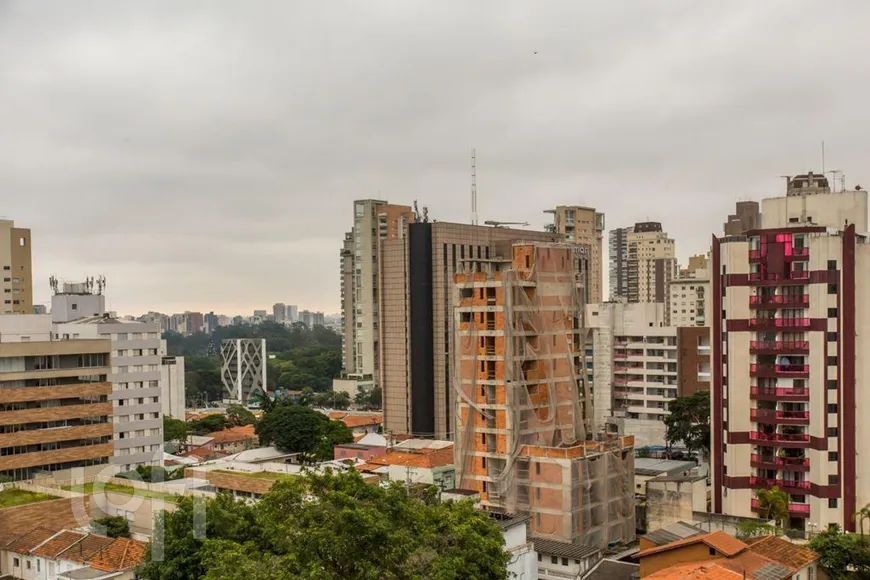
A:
x: 135, y: 368
x: 135, y: 335
x: 135, y: 450
x: 28, y: 472
x: 61, y: 424
x: 136, y: 352
x: 137, y: 401
x: 54, y: 446
x: 136, y: 417
x: 22, y: 406
x: 137, y: 385
x: 138, y: 433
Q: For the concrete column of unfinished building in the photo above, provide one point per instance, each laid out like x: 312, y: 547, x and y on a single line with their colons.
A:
x: 524, y: 406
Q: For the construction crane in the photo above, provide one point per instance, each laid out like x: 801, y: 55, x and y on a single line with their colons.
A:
x: 498, y: 224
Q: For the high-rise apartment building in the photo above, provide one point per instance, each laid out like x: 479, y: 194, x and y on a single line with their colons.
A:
x: 689, y: 293
x: 135, y: 370
x: 523, y: 435
x: 746, y: 217
x: 416, y: 317
x: 55, y: 412
x: 195, y: 322
x: 585, y: 227
x: 652, y: 263
x: 17, y: 280
x: 618, y: 258
x: 789, y: 330
x: 348, y: 346
x: 279, y: 312
x: 374, y: 222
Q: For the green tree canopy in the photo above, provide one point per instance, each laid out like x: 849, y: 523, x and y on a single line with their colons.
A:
x: 839, y: 551
x: 773, y: 504
x: 300, y: 429
x: 209, y: 424
x: 238, y: 415
x: 113, y: 526
x: 174, y: 430
x: 330, y: 526
x: 689, y: 421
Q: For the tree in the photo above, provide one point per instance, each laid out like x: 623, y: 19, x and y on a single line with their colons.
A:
x: 113, y: 526
x: 862, y: 515
x: 755, y: 528
x: 838, y: 552
x: 773, y: 504
x: 208, y: 424
x: 300, y: 429
x: 174, y: 430
x: 330, y: 526
x: 689, y: 421
x: 237, y: 416
x: 643, y: 453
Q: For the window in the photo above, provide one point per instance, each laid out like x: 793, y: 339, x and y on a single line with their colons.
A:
x: 832, y: 312
x: 564, y: 561
x: 540, y: 557
x: 832, y: 407
x: 833, y: 456
x: 833, y: 480
x: 832, y: 264
x: 832, y: 503
x: 833, y: 432
x: 15, y: 563
x: 537, y: 469
x: 832, y: 337
x: 832, y: 384
x: 75, y: 306
x: 832, y: 361
x: 554, y: 559
x: 28, y: 564
x: 22, y: 242
x: 832, y: 288
x: 537, y: 493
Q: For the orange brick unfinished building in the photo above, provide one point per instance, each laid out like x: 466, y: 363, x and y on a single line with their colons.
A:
x: 524, y: 405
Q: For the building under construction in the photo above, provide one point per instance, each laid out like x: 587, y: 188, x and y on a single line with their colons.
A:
x: 524, y: 405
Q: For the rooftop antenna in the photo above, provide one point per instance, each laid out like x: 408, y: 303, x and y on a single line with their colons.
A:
x: 473, y: 188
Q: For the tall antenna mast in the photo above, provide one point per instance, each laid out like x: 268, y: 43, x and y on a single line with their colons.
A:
x: 473, y: 188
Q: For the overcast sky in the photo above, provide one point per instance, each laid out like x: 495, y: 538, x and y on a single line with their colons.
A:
x: 204, y: 155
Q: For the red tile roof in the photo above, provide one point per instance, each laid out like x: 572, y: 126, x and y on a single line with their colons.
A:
x: 55, y: 515
x: 784, y: 552
x: 428, y: 458
x: 121, y: 554
x: 233, y: 435
x: 710, y: 570
x: 719, y: 541
x: 62, y: 541
x: 29, y: 540
x: 82, y: 552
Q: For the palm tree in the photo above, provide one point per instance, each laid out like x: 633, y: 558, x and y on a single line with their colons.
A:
x: 861, y: 515
x: 773, y: 503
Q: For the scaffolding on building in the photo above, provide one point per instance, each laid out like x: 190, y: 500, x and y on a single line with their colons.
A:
x: 524, y: 435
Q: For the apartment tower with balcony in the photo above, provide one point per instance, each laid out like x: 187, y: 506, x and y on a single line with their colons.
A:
x: 787, y: 330
x: 524, y: 407
x: 584, y: 227
x: 55, y: 412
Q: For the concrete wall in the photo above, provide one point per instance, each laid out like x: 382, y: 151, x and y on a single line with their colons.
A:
x: 669, y: 502
x: 25, y: 328
x: 172, y: 386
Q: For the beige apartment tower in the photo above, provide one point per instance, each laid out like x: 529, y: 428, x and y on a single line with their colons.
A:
x: 790, y: 326
x: 523, y: 435
x: 17, y: 281
x: 375, y: 221
x: 585, y: 227
x: 416, y: 317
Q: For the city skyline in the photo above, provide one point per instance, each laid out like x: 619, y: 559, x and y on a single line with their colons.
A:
x: 206, y: 161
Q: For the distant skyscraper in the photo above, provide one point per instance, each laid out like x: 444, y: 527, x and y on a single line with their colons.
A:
x: 194, y: 322
x: 292, y: 313
x: 17, y: 279
x: 746, y: 217
x: 279, y: 312
x: 584, y: 227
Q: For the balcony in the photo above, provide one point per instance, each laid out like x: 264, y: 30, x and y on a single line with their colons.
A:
x: 777, y: 323
x: 796, y: 510
x: 780, y: 417
x: 780, y: 463
x: 779, y: 300
x: 796, y: 440
x: 774, y: 279
x: 786, y: 371
x: 778, y: 394
x: 787, y: 485
x: 779, y: 347
x: 620, y: 355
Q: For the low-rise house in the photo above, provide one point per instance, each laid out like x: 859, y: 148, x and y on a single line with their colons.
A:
x: 719, y: 556
x: 42, y: 554
x: 357, y: 451
x: 233, y: 439
x: 564, y: 560
x: 523, y: 562
x: 414, y: 465
x: 359, y: 422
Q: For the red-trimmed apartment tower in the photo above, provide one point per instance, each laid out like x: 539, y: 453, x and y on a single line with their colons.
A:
x: 789, y: 321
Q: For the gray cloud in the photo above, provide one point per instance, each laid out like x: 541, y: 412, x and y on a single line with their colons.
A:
x: 205, y: 154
